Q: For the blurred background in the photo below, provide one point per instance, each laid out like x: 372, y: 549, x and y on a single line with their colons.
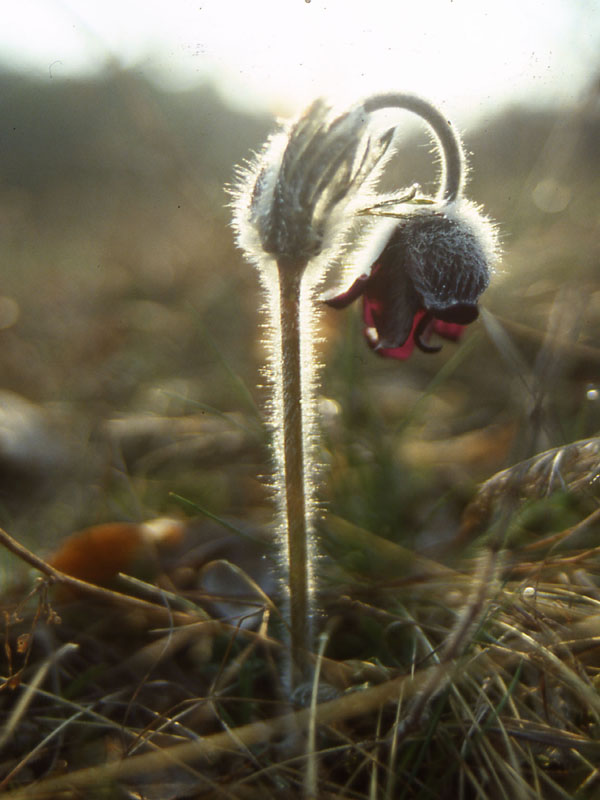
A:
x: 130, y: 340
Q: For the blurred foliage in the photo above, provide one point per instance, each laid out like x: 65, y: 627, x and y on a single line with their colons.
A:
x: 122, y: 296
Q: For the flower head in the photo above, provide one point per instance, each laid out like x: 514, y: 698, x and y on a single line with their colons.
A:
x: 290, y: 202
x: 426, y: 276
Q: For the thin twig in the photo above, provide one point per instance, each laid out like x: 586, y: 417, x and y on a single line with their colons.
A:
x: 97, y: 592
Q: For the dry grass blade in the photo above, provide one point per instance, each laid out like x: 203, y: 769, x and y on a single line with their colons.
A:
x: 37, y: 749
x: 21, y: 707
x: 312, y: 764
x: 573, y: 467
x: 218, y: 745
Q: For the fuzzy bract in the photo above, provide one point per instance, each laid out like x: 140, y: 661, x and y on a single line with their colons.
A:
x: 290, y: 203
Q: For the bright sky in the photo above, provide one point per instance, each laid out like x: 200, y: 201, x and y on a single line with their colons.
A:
x: 470, y: 55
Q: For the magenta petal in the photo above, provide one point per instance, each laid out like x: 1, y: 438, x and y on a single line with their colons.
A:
x: 448, y: 330
x: 350, y: 295
x: 402, y: 352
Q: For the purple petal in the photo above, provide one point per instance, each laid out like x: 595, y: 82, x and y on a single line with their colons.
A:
x: 457, y: 313
x: 371, y: 311
x: 350, y: 295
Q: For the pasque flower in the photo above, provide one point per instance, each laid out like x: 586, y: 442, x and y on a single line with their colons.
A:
x: 424, y: 264
x: 432, y: 266
x: 428, y: 260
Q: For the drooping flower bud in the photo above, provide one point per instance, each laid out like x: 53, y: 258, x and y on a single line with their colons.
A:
x: 429, y: 269
x: 447, y: 253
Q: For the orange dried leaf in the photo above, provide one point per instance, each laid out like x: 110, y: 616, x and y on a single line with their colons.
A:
x: 97, y: 554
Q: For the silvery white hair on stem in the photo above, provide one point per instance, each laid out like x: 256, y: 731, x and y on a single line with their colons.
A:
x: 295, y: 209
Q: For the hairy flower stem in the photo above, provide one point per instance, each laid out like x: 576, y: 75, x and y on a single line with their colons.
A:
x: 293, y: 392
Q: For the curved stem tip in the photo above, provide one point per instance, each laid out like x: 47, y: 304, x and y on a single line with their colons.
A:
x: 449, y: 141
